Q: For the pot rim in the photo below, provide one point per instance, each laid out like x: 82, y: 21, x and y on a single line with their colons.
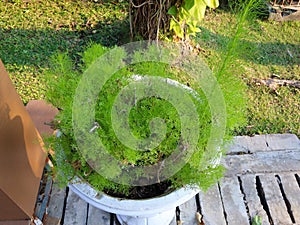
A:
x: 132, y: 207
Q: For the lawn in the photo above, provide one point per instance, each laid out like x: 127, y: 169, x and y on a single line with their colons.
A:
x: 270, y: 50
x: 31, y: 31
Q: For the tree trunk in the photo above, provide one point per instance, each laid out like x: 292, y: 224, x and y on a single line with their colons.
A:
x: 149, y: 19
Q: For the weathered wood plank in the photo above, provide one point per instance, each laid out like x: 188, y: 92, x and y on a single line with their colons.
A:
x: 233, y: 202
x: 56, y: 204
x: 76, y: 210
x: 40, y: 208
x: 282, y: 141
x: 247, y: 144
x: 212, y: 207
x: 238, y: 145
x: 275, y: 200
x: 173, y: 222
x: 51, y: 221
x: 258, y: 143
x: 292, y: 192
x: 253, y: 201
x: 97, y: 216
x: 262, y: 162
x: 188, y: 212
x: 273, y: 142
x: 260, y: 154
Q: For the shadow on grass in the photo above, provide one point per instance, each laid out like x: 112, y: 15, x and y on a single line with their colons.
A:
x: 270, y: 53
x: 35, y: 47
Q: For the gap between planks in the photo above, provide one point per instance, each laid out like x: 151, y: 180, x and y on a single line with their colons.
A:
x: 235, y: 202
x: 263, y: 181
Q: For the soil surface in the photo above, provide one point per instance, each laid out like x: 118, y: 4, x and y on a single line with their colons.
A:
x: 144, y: 192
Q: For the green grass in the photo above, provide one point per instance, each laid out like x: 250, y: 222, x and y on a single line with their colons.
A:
x: 32, y: 31
x: 264, y: 55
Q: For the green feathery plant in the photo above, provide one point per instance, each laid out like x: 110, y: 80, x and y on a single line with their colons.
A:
x: 69, y: 161
x: 64, y: 79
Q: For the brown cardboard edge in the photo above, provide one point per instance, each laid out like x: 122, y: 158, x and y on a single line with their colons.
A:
x: 15, y: 222
x: 28, y: 210
x: 11, y: 206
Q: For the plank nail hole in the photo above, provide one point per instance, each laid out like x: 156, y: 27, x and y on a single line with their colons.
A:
x: 222, y: 200
x: 298, y: 179
x: 244, y: 198
x: 262, y: 197
x: 64, y: 207
x: 267, y: 144
x: 286, y: 201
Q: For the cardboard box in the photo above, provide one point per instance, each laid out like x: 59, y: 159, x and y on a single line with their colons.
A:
x: 22, y: 157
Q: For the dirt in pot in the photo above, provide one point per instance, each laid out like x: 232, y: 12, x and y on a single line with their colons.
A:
x: 144, y: 192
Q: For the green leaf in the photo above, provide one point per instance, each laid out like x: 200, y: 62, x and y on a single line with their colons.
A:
x: 197, y: 12
x: 175, y: 26
x: 256, y: 220
x: 183, y: 15
x: 212, y: 3
x: 192, y: 30
x: 188, y: 4
x: 172, y: 11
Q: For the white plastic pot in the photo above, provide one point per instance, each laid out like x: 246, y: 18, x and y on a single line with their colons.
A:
x: 154, y: 211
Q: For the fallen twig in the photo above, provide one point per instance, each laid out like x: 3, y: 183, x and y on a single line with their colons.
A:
x: 275, y: 83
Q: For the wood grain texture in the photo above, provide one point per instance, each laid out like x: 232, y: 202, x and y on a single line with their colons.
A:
x: 264, y: 156
x: 52, y: 221
x: 188, y: 212
x: 262, y: 143
x: 97, y: 216
x: 239, y: 145
x: 258, y: 143
x: 275, y: 201
x: 292, y: 192
x: 233, y: 202
x: 253, y: 201
x: 282, y: 142
x: 212, y: 207
x: 56, y: 203
x: 76, y: 210
x: 262, y: 162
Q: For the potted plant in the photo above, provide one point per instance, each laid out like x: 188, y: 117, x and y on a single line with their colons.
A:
x: 141, y: 121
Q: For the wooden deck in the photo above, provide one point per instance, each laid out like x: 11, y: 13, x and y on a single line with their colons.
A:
x: 262, y: 179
